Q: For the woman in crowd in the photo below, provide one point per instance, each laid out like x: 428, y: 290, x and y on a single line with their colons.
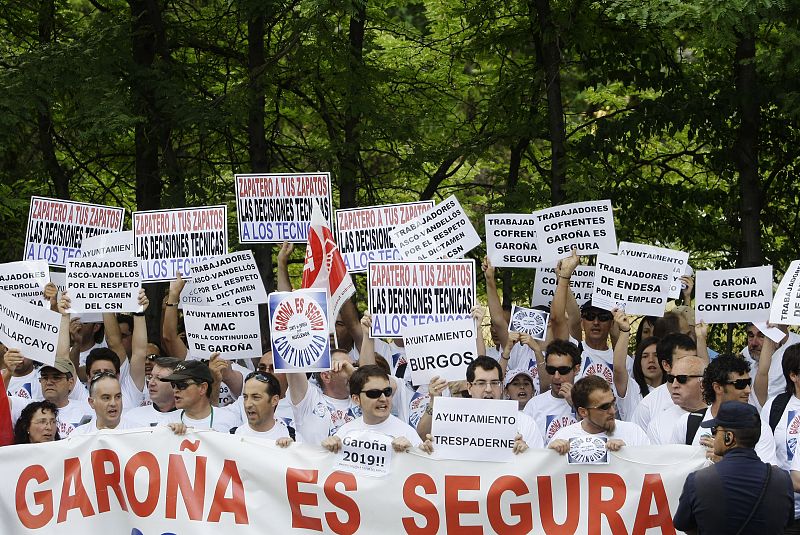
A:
x: 37, y: 423
x: 647, y: 372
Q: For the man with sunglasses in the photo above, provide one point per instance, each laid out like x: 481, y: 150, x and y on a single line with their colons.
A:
x: 595, y: 405
x: 740, y: 494
x: 191, y: 382
x: 553, y: 409
x: 260, y: 398
x: 684, y: 385
x: 371, y: 391
x: 727, y: 378
x: 105, y: 398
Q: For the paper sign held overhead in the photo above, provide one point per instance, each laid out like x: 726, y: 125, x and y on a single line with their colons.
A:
x: 733, y: 295
x: 636, y: 285
x: 119, y: 244
x: 231, y: 279
x: 298, y: 324
x: 785, y: 308
x: 529, y: 321
x: 233, y: 332
x: 30, y: 328
x: 511, y: 241
x: 25, y: 280
x: 100, y: 284
x: 544, y: 285
x: 444, y: 350
x: 587, y: 226
x: 442, y: 232
x: 678, y: 259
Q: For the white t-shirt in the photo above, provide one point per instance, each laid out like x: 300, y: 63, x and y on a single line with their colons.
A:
x: 657, y: 400
x: 221, y: 419
x: 148, y: 416
x: 786, y: 434
x: 318, y: 416
x: 132, y: 397
x: 381, y: 348
x: 765, y: 448
x: 526, y: 426
x: 278, y: 430
x: 633, y: 396
x: 550, y: 414
x: 777, y: 383
x: 17, y: 405
x: 662, y: 425
x: 392, y: 426
x: 630, y: 434
x: 22, y: 386
x: 74, y: 414
x: 595, y: 362
x: 90, y: 428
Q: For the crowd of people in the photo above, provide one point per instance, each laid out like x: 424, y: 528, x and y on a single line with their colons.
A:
x: 579, y: 381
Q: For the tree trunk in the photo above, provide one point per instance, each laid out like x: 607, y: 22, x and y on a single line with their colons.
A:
x: 349, y: 159
x: 511, y: 185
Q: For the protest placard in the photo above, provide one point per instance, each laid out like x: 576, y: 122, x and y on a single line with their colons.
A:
x: 529, y: 321
x: 117, y: 244
x: 470, y: 429
x: 231, y: 279
x: 545, y: 282
x: 59, y: 278
x: 190, y: 296
x: 678, y: 259
x: 733, y: 295
x: 272, y: 208
x: 588, y: 450
x: 636, y: 285
x: 25, y: 280
x: 298, y: 323
x: 773, y: 333
x: 233, y: 332
x: 404, y: 294
x: 444, y: 349
x: 100, y: 284
x: 362, y: 234
x: 30, y: 328
x: 511, y: 241
x: 367, y: 453
x: 169, y: 241
x: 587, y: 226
x: 785, y: 308
x: 444, y: 231
x: 56, y: 228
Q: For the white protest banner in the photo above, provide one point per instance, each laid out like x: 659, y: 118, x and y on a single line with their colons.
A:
x: 169, y: 241
x: 114, y: 243
x: 366, y: 453
x: 25, y: 280
x: 57, y: 228
x: 405, y: 294
x: 298, y: 323
x: 362, y: 234
x: 271, y: 208
x: 544, y: 285
x: 100, y: 284
x: 678, y: 259
x: 30, y: 328
x: 444, y: 231
x: 637, y: 285
x: 733, y: 295
x: 511, y: 241
x: 444, y: 349
x: 231, y: 279
x: 471, y: 429
x: 785, y: 308
x: 587, y: 226
x: 234, y: 332
x: 528, y: 320
x: 130, y: 481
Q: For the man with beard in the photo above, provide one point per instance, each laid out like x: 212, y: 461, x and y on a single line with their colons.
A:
x: 553, y: 409
x: 596, y: 407
x: 260, y: 398
x: 191, y: 382
x: 162, y: 409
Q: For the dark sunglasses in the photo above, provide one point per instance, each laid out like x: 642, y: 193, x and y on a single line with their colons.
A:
x: 590, y: 315
x: 181, y: 385
x: 563, y: 370
x: 152, y: 356
x: 604, y: 406
x: 681, y: 378
x: 740, y: 384
x: 99, y: 375
x: 375, y: 393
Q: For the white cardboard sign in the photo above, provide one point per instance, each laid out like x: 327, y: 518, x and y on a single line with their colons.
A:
x: 786, y: 305
x: 734, y: 295
x: 25, y: 280
x: 366, y: 453
x: 100, y: 284
x: 474, y: 429
x: 444, y: 349
x: 30, y: 328
x: 637, y: 285
x: 587, y: 226
x: 442, y: 232
x: 114, y: 243
x: 231, y: 279
x: 544, y: 285
x: 362, y: 234
x: 233, y: 332
x: 678, y: 259
x: 511, y: 241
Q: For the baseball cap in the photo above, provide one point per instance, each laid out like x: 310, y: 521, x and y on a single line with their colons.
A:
x: 61, y: 364
x: 190, y: 369
x: 511, y: 374
x: 735, y: 415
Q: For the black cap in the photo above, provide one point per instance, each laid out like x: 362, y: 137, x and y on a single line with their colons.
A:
x: 735, y: 415
x: 190, y: 369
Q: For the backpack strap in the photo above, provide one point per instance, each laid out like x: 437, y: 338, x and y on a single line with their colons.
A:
x: 776, y: 410
x: 232, y: 430
x: 693, y: 424
x: 291, y: 432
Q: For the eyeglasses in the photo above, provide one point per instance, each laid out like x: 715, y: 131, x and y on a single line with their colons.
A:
x: 714, y: 430
x: 590, y: 315
x: 375, y: 393
x: 562, y: 370
x: 680, y: 378
x: 494, y: 383
x: 181, y: 385
x: 52, y: 378
x: 740, y: 384
x: 604, y: 406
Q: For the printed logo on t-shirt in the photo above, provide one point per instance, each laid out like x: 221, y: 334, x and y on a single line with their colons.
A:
x: 398, y: 359
x: 419, y: 402
x: 598, y: 367
x: 792, y: 431
x: 554, y: 423
x: 337, y: 417
x: 65, y: 428
x: 24, y: 391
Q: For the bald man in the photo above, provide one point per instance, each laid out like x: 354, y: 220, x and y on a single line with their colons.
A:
x: 684, y: 383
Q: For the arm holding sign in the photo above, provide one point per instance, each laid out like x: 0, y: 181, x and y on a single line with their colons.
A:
x: 496, y: 313
x: 114, y: 337
x: 544, y: 377
x: 621, y: 352
x: 284, y: 283
x: 174, y: 345
x: 435, y: 389
x: 366, y: 355
x: 564, y: 270
x: 477, y: 314
x: 75, y: 347
x: 332, y: 444
x: 761, y: 382
x: 511, y: 339
x: 50, y: 294
x: 701, y: 333
x: 139, y: 343
x: 63, y: 347
x: 217, y: 367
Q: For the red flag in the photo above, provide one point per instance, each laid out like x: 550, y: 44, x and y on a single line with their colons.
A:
x: 324, y: 266
x: 6, y: 429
